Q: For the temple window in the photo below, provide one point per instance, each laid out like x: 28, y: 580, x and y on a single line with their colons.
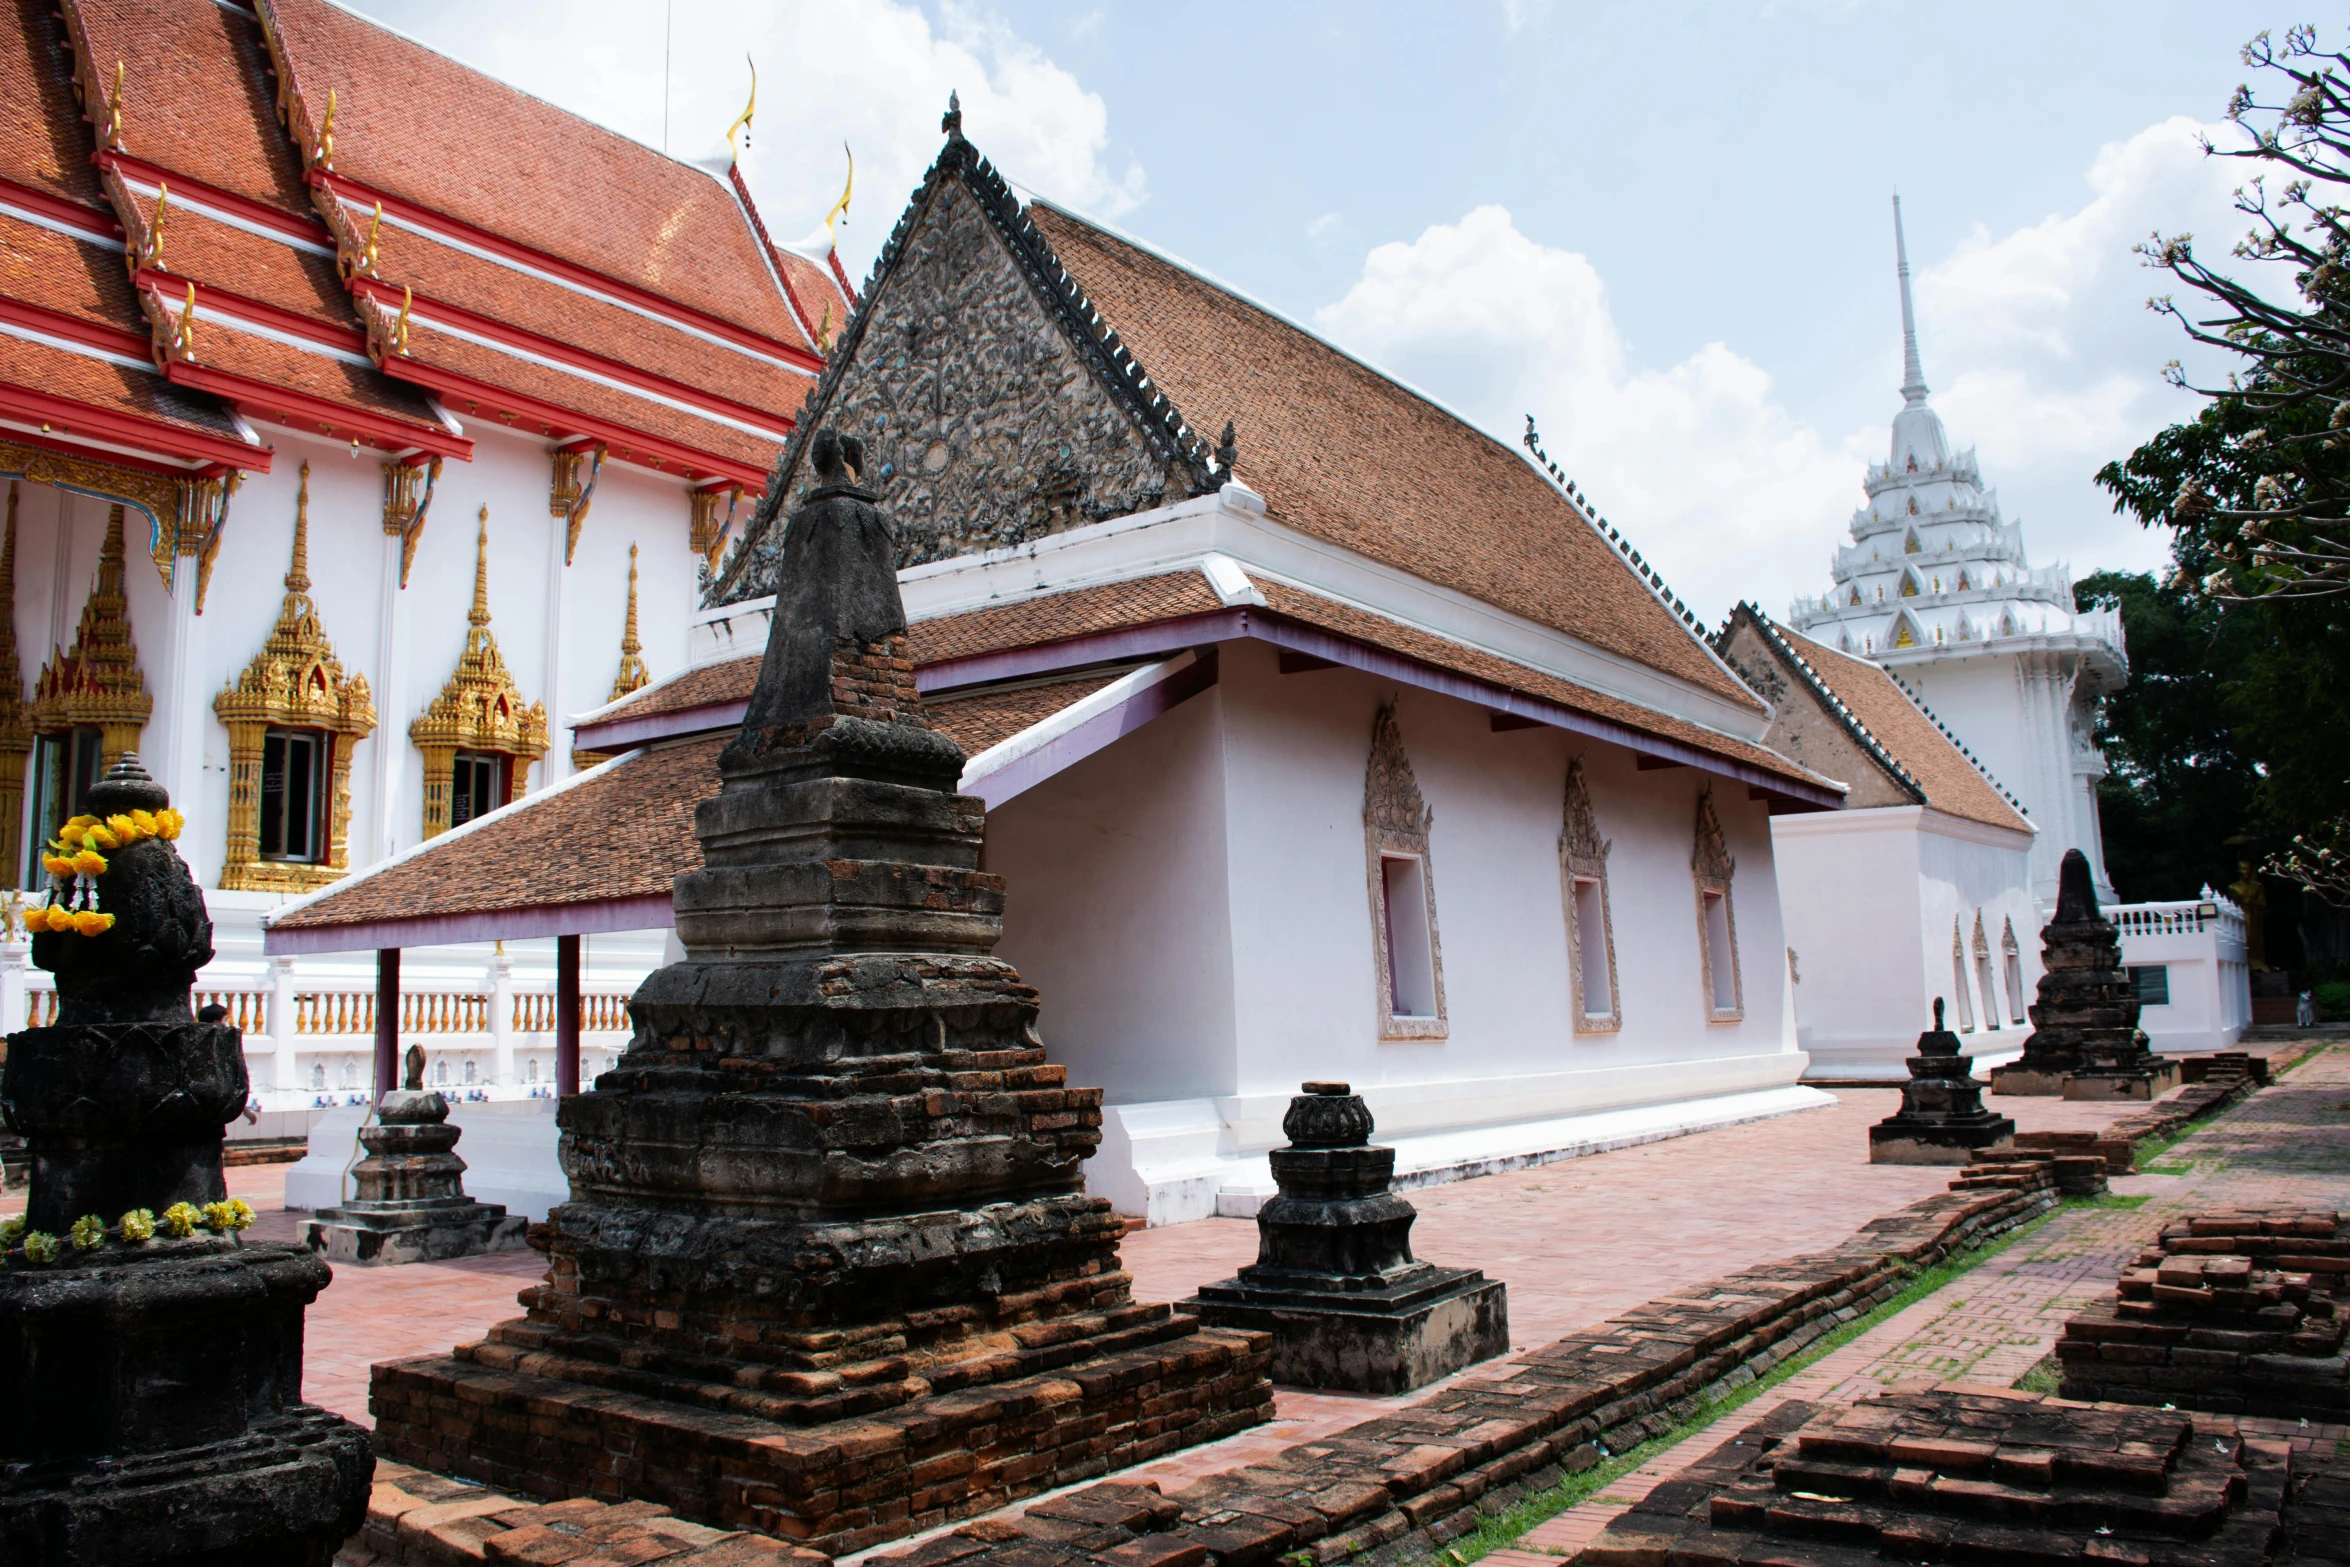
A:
x: 2015, y: 974
x: 1983, y: 977
x: 478, y: 736
x: 1591, y: 937
x: 1958, y: 979
x: 64, y: 767
x: 292, y: 717
x: 293, y: 794
x: 1717, y: 922
x: 1909, y: 546
x: 89, y: 702
x: 1396, y: 825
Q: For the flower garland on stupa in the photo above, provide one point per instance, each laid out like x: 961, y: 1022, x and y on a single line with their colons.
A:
x: 75, y: 861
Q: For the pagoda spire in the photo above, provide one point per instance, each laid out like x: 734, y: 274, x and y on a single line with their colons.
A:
x: 1913, y: 374
x: 633, y: 674
x: 479, y: 615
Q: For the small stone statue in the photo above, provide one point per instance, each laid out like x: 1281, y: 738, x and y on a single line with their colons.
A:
x: 412, y: 1078
x: 1335, y: 1281
x: 1941, y: 1119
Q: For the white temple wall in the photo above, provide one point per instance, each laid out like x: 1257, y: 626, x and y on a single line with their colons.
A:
x: 1870, y: 899
x: 1195, y: 904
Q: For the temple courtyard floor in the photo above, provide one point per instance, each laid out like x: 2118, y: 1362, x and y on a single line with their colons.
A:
x: 1580, y: 1241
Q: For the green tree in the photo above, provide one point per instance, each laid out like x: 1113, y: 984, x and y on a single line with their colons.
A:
x: 2183, y: 777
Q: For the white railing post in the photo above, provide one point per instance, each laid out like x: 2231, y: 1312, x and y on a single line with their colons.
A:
x: 287, y: 1065
x: 502, y: 1017
x: 16, y: 956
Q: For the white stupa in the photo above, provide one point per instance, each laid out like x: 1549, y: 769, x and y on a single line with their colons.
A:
x: 1936, y: 588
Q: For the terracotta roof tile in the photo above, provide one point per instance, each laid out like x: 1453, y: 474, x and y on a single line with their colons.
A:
x: 1348, y: 455
x: 43, y: 142
x: 1055, y: 616
x: 444, y: 274
x: 74, y: 277
x: 310, y: 372
x: 197, y: 97
x: 988, y: 718
x: 1952, y: 782
x: 212, y: 254
x: 626, y: 834
x: 418, y: 125
x: 492, y: 367
x: 114, y: 388
x: 709, y: 686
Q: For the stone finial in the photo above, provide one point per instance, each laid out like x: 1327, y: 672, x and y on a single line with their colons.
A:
x: 2076, y: 892
x: 1327, y: 1115
x: 412, y: 1068
x: 1227, y: 451
x: 951, y: 123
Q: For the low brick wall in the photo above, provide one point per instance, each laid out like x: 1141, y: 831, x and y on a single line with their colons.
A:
x: 1397, y: 1487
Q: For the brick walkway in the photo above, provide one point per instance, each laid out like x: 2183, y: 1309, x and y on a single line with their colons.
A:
x: 2287, y: 1145
x: 1576, y: 1242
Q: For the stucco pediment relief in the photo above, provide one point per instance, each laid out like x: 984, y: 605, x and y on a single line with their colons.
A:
x: 1711, y: 867
x: 1396, y: 824
x: 1591, y: 930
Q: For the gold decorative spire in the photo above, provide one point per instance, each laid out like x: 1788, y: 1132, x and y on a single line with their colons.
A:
x: 96, y: 683
x: 16, y: 720
x: 633, y: 674
x: 480, y: 708
x: 294, y: 682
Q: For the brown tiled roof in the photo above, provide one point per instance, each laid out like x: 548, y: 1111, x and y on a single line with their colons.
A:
x: 491, y: 367
x: 115, y: 388
x: 1952, y: 782
x: 43, y: 143
x: 420, y: 126
x: 74, y: 277
x: 708, y: 686
x: 196, y: 93
x: 311, y: 372
x: 626, y: 834
x: 213, y: 255
x: 1055, y: 616
x: 1342, y: 452
x: 988, y: 718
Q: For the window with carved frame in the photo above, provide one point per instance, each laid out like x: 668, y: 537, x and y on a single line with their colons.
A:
x: 1712, y: 867
x: 1396, y: 824
x: 1591, y: 936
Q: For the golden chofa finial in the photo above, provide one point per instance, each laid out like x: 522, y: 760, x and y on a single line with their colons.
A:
x: 151, y: 251
x: 633, y: 675
x: 480, y: 615
x: 841, y: 206
x: 322, y: 156
x: 368, y: 248
x: 183, y: 331
x: 400, y: 326
x: 742, y: 121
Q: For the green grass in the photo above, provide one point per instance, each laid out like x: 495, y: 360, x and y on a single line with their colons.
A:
x: 2110, y: 1200
x: 1500, y: 1529
x: 2045, y: 1375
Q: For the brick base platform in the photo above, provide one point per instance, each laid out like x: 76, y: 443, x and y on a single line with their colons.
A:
x: 838, y: 1486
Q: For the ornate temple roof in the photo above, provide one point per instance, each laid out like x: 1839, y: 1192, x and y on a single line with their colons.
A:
x: 1933, y: 569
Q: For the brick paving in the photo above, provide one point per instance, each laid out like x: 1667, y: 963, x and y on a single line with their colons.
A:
x: 2289, y: 1145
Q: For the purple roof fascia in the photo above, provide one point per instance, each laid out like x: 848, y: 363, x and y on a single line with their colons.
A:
x: 653, y: 911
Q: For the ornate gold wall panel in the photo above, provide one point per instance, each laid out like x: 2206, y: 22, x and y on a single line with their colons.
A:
x: 96, y: 683
x: 480, y: 709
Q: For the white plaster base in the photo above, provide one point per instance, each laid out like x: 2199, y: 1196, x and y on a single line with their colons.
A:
x: 1159, y: 1162
x: 318, y: 1180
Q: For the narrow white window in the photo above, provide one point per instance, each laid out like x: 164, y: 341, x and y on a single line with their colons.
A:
x: 1958, y: 979
x: 1396, y: 826
x: 1989, y: 986
x: 1717, y: 923
x: 2015, y: 974
x: 1591, y: 940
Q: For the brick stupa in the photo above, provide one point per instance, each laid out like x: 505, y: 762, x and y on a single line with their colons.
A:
x: 1941, y: 1119
x: 828, y: 1270
x: 2085, y: 1041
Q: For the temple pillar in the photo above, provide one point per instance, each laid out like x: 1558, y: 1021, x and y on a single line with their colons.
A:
x: 387, y: 1021
x: 283, y: 1022
x: 501, y: 985
x: 383, y: 835
x: 566, y: 1016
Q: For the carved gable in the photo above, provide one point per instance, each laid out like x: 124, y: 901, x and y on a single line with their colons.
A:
x: 995, y: 405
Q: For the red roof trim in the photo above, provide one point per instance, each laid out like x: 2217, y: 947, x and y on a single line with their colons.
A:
x: 341, y: 422
x: 565, y: 354
x: 538, y: 260
x: 93, y: 334
x: 632, y: 446
x: 96, y: 223
x: 311, y: 231
x: 791, y: 300
x: 115, y: 457
x: 173, y: 287
x: 114, y: 425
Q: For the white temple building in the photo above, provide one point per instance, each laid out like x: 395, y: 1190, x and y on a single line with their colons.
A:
x: 1936, y: 587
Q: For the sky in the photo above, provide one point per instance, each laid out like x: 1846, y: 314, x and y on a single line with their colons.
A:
x: 1662, y: 229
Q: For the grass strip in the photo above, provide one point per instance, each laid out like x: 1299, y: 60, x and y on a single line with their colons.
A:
x: 1500, y: 1529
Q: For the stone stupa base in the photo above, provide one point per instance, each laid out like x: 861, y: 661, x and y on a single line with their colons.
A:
x: 843, y: 1484
x: 1899, y: 1140
x: 2028, y: 1081
x: 2148, y: 1081
x: 1390, y: 1340
x: 420, y: 1232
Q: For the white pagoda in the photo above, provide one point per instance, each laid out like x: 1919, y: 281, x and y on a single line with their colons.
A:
x: 1936, y: 588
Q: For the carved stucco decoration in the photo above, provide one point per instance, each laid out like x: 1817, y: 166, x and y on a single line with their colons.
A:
x: 1712, y: 867
x: 994, y: 402
x: 96, y: 683
x: 294, y: 682
x: 1397, y: 821
x: 479, y: 709
x: 1583, y: 857
x: 185, y: 514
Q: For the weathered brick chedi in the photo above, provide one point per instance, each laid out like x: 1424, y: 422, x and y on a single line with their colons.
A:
x: 150, y: 1381
x: 1941, y: 1119
x: 828, y: 1270
x: 2085, y: 1041
x: 1335, y: 1281
x: 411, y: 1204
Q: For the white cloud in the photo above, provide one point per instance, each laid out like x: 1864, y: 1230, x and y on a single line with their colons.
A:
x: 873, y: 73
x: 1699, y: 463
x: 1324, y: 226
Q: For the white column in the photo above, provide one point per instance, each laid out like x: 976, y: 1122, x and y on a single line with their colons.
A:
x: 390, y: 739
x: 15, y: 963
x: 179, y: 763
x: 288, y: 1066
x: 502, y: 1017
x: 557, y: 764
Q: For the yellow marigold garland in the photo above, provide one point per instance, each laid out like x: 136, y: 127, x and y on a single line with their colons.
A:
x: 76, y: 855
